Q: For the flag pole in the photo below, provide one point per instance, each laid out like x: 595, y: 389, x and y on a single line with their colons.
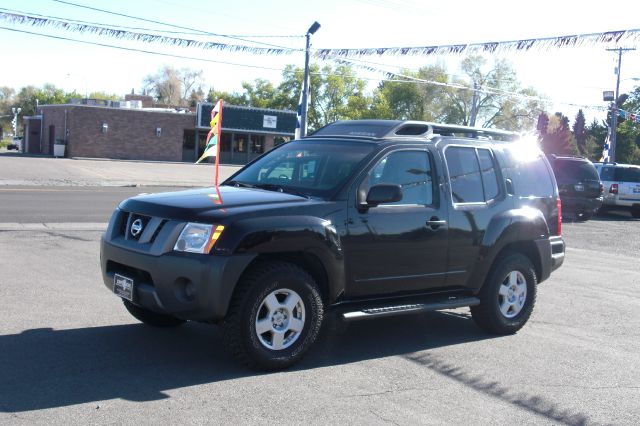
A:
x: 219, y: 142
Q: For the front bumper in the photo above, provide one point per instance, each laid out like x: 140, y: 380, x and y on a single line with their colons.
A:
x: 189, y: 286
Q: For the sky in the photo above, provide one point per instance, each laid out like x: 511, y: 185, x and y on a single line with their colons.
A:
x: 568, y: 76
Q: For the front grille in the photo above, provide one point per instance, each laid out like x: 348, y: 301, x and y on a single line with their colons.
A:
x: 140, y: 228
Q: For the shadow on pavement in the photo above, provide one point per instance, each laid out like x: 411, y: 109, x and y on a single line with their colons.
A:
x: 533, y: 403
x: 45, y: 368
x: 615, y: 216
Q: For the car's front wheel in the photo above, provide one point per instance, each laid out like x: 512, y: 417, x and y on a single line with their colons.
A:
x: 508, y: 296
x: 274, y: 317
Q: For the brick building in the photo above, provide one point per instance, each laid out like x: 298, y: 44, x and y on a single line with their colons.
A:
x: 155, y: 134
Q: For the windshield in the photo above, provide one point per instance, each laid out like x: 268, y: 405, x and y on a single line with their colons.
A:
x: 313, y: 168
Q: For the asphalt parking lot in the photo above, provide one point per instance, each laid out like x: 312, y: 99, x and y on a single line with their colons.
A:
x: 70, y: 354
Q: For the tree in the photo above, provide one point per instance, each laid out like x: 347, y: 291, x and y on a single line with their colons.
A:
x: 596, y: 136
x: 556, y: 138
x: 171, y: 86
x: 628, y: 132
x: 580, y: 133
x: 494, y: 97
x: 6, y: 98
x: 104, y: 96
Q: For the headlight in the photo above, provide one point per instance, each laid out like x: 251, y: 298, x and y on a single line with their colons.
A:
x: 198, y: 238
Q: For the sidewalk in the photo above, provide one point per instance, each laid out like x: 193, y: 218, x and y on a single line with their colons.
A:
x: 16, y: 169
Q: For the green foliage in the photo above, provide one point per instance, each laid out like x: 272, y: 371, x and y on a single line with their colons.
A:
x: 171, y: 86
x: 596, y: 136
x: 100, y: 95
x: 556, y: 137
x: 628, y: 132
x: 580, y: 133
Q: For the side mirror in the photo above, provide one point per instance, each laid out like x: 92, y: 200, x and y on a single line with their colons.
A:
x: 382, y: 194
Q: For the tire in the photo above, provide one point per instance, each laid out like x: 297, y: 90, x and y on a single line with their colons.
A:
x: 275, y: 316
x: 635, y: 213
x: 151, y: 318
x: 507, y: 297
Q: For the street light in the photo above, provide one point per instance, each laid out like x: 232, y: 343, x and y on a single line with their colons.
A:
x: 15, y: 112
x: 305, y: 85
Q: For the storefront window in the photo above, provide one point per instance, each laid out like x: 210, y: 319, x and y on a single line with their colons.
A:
x: 240, y: 143
x: 225, y: 142
x: 257, y: 144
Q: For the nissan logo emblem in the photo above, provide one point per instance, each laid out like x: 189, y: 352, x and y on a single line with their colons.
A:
x: 136, y: 227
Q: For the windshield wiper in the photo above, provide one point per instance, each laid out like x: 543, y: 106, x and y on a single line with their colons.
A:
x: 238, y: 184
x: 280, y: 188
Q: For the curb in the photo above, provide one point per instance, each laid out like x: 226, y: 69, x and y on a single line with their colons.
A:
x: 71, y: 226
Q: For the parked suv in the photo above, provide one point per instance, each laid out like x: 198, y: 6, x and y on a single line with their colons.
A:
x: 621, y: 186
x: 579, y: 186
x: 361, y: 220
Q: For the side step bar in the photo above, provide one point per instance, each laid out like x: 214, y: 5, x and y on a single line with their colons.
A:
x: 451, y: 303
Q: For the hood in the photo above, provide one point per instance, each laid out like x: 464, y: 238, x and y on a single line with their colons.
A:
x: 208, y: 204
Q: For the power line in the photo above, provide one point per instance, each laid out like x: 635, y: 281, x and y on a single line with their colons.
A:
x: 139, y: 28
x: 130, y: 49
x: 138, y: 36
x: 166, y: 24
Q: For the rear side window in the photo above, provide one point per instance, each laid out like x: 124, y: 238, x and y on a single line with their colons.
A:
x: 472, y: 174
x: 629, y: 174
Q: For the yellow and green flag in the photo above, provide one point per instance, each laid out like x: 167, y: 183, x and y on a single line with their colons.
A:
x: 212, y: 149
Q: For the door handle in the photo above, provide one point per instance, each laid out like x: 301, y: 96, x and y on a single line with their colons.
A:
x: 435, y: 223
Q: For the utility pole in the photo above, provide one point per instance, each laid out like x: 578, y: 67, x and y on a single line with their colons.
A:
x: 614, y: 104
x: 305, y: 84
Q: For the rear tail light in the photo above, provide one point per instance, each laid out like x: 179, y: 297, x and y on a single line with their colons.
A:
x: 559, y: 205
x: 613, y: 189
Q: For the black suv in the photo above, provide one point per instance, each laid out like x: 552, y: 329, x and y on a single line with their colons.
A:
x: 363, y: 219
x: 579, y: 186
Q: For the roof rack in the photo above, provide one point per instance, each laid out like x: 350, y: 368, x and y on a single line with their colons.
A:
x: 384, y: 129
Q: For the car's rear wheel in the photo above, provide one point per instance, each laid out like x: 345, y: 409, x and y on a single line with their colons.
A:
x: 635, y: 213
x: 508, y: 296
x: 152, y: 318
x: 274, y: 317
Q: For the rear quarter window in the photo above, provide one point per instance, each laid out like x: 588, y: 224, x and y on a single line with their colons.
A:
x: 530, y: 173
x: 629, y: 174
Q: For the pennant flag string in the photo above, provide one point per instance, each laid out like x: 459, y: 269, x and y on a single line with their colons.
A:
x: 121, y: 34
x: 580, y: 40
x: 635, y: 118
x: 612, y: 38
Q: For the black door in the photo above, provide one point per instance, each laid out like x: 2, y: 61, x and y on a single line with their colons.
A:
x: 398, y: 247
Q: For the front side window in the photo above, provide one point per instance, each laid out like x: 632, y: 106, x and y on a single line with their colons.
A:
x: 409, y: 169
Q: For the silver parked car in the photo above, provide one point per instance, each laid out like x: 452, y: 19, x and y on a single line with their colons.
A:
x: 621, y: 186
